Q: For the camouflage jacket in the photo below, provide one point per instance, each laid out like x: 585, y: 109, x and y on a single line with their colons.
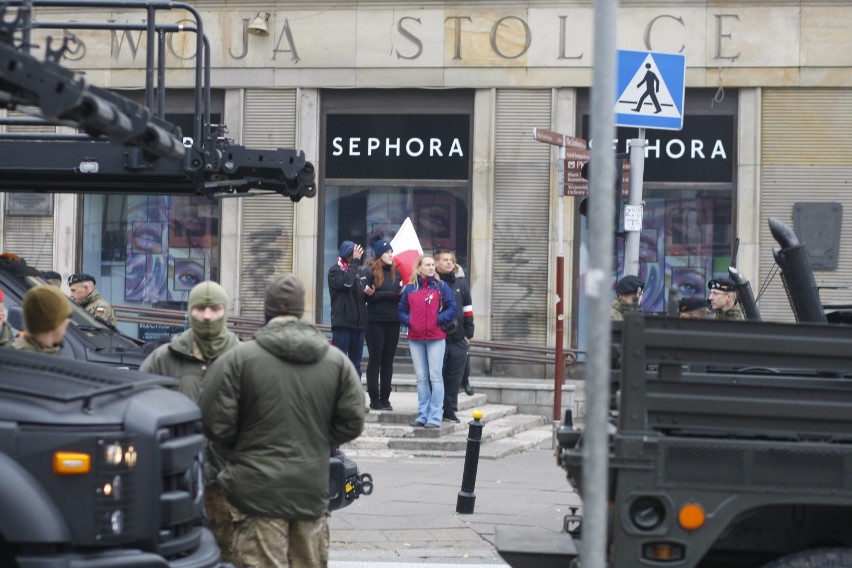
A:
x: 27, y: 343
x: 734, y: 314
x: 6, y: 335
x: 618, y: 307
x: 99, y: 308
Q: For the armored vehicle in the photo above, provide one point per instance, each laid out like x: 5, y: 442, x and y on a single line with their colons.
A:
x: 101, y: 468
x: 731, y: 444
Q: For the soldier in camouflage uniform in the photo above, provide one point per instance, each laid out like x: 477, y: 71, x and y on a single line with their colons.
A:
x: 46, y: 313
x: 628, y: 296
x: 723, y: 299
x: 187, y: 359
x: 6, y: 334
x: 83, y: 292
x: 278, y: 406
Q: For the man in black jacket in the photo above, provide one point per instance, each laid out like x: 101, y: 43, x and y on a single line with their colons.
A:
x: 455, y: 355
x: 348, y: 303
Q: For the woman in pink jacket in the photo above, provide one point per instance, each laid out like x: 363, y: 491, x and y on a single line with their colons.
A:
x: 427, y: 304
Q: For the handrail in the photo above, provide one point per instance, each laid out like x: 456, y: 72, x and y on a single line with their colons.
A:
x: 245, y: 326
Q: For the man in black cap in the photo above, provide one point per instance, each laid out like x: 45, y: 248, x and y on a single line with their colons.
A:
x: 84, y: 293
x: 628, y: 296
x: 52, y: 277
x: 723, y: 299
x: 693, y: 308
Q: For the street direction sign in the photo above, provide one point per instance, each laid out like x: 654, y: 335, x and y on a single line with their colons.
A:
x: 576, y: 185
x: 559, y: 139
x: 650, y: 90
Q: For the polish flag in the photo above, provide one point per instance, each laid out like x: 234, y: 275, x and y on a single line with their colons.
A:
x: 406, y: 250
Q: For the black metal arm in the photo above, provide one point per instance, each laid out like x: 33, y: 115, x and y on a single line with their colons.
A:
x: 127, y: 149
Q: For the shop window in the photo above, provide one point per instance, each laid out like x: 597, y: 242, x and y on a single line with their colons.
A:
x: 150, y: 250
x: 366, y: 214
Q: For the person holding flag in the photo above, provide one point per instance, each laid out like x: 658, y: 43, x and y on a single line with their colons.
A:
x: 427, y: 304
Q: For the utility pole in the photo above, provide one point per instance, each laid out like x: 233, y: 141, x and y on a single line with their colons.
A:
x: 601, y: 239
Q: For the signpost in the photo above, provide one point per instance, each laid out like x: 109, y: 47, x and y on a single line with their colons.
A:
x: 574, y: 154
x: 650, y: 90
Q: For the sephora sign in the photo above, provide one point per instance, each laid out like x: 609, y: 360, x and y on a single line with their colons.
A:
x: 398, y: 146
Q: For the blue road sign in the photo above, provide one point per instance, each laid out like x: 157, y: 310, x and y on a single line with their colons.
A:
x: 650, y: 90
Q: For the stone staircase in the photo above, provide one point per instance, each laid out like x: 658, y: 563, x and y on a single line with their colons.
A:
x: 387, y: 433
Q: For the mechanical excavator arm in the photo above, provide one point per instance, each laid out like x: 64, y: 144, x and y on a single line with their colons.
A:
x: 120, y: 145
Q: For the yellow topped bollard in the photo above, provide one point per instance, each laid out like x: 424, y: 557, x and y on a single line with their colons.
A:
x: 467, y: 498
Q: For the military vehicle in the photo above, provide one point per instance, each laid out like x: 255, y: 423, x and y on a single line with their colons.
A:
x: 100, y: 467
x: 87, y: 338
x: 731, y: 446
x: 103, y: 467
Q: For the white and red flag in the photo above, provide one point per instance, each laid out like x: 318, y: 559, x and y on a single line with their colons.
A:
x: 406, y: 249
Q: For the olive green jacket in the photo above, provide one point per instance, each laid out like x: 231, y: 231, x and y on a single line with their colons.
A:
x: 6, y: 335
x: 618, y: 307
x: 182, y: 360
x: 278, y: 405
x: 99, y: 308
x: 27, y: 343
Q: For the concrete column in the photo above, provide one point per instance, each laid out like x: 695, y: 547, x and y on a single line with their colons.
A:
x: 306, y: 212
x: 748, y: 185
x: 482, y: 205
x: 230, y: 222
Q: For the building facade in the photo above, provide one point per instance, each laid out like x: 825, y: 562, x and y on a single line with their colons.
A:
x: 426, y: 109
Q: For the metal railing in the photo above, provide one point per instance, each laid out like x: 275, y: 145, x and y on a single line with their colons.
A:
x: 246, y: 326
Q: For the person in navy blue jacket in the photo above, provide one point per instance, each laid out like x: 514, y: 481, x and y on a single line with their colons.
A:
x: 348, y: 303
x: 426, y: 305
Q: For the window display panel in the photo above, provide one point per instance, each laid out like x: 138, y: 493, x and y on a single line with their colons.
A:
x: 150, y: 250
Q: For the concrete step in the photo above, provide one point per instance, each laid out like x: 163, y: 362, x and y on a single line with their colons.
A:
x: 387, y: 433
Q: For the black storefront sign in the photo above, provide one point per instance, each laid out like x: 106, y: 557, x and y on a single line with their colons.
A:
x: 398, y: 146
x: 703, y: 152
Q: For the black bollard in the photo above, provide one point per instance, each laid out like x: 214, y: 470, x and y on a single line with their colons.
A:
x: 467, y: 498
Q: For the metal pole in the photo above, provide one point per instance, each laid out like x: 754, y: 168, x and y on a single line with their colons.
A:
x: 601, y: 237
x: 633, y: 239
x: 559, y: 369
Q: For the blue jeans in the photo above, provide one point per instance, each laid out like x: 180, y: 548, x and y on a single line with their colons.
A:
x: 428, y: 359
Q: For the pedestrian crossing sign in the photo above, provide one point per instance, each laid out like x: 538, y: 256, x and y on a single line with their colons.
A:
x: 650, y: 90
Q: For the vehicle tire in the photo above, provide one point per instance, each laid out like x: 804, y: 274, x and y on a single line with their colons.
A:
x: 815, y: 558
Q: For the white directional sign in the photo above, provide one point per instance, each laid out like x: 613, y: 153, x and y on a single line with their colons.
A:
x: 650, y: 90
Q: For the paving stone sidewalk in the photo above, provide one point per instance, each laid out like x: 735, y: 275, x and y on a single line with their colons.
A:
x: 410, y: 519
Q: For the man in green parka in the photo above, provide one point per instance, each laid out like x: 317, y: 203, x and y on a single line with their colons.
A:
x: 278, y: 405
x: 187, y: 359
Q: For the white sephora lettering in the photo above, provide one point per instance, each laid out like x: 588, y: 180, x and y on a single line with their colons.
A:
x: 394, y: 147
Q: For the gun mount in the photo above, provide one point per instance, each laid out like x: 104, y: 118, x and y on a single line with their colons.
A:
x: 120, y: 145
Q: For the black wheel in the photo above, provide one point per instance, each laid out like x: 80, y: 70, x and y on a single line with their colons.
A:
x: 815, y: 558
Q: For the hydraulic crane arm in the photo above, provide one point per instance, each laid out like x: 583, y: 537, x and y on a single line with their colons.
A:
x: 120, y: 145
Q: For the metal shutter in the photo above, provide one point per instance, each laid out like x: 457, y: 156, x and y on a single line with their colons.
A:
x: 804, y: 157
x: 266, y: 243
x: 30, y: 237
x: 521, y: 218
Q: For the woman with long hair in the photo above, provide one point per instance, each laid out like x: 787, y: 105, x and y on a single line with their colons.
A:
x: 427, y: 303
x: 383, y: 289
